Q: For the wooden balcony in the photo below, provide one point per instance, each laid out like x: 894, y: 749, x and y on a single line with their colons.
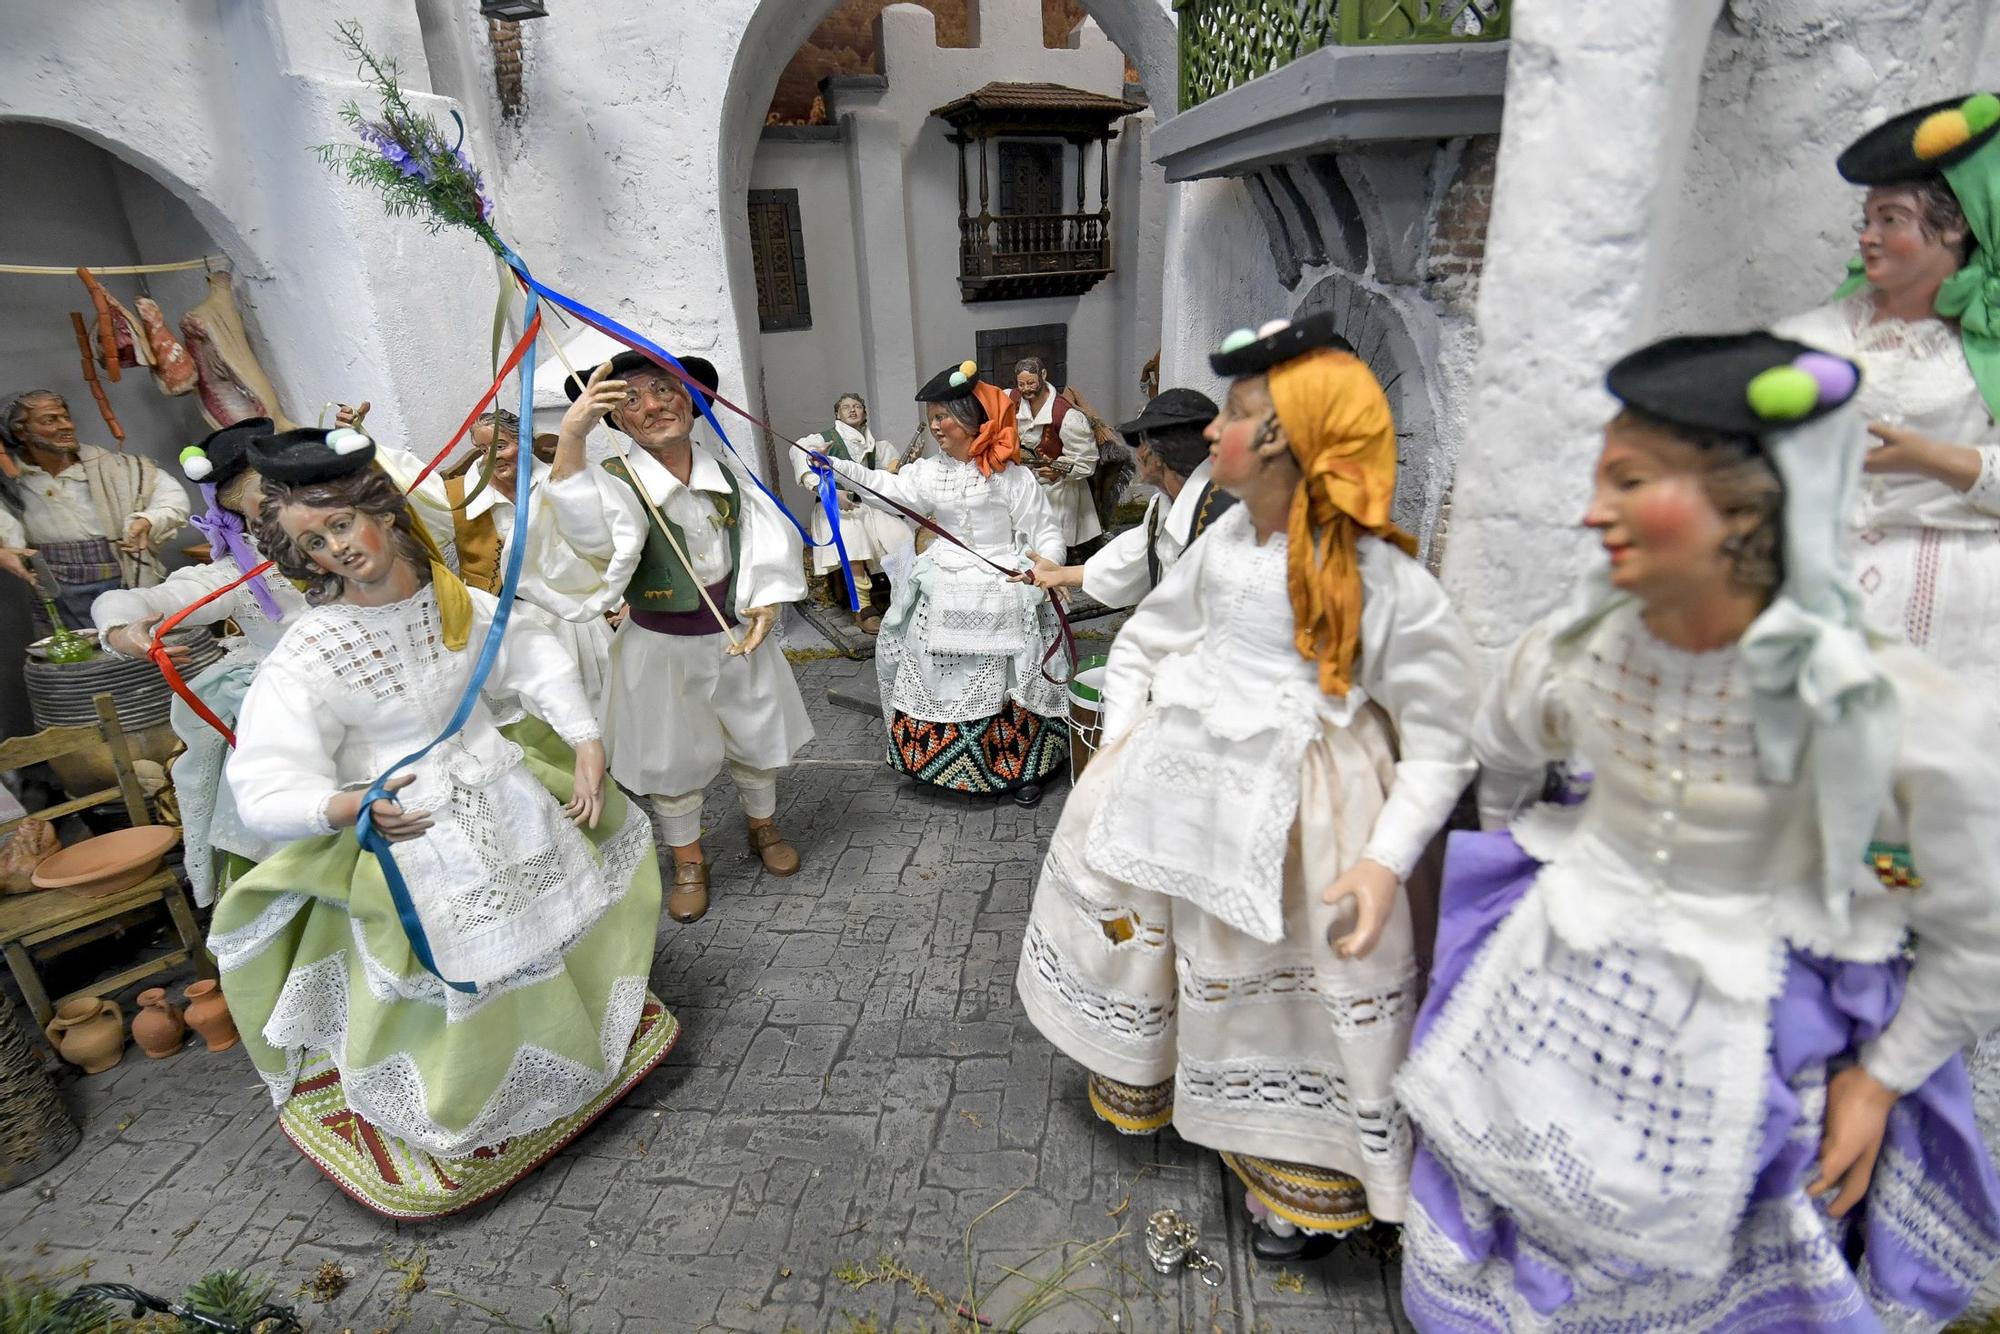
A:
x: 1033, y: 255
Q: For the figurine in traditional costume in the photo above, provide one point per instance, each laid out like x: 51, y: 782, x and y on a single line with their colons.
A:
x: 1679, y: 1075
x: 1926, y: 521
x: 96, y: 519
x: 964, y: 659
x: 703, y: 559
x: 217, y: 843
x: 1170, y: 438
x: 533, y: 888
x: 1058, y: 444
x: 870, y: 535
x: 1221, y: 936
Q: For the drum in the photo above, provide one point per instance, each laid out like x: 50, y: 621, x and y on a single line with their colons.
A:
x: 1086, y: 714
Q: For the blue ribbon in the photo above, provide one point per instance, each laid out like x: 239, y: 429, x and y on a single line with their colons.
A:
x: 365, y: 831
x: 829, y: 500
x: 639, y: 342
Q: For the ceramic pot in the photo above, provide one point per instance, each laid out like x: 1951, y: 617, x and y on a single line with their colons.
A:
x: 88, y: 1033
x: 208, y: 1015
x: 108, y: 863
x: 158, y: 1027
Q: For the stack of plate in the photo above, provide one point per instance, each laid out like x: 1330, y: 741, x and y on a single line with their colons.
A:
x: 61, y: 693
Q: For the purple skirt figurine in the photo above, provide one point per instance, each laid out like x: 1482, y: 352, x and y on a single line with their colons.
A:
x: 1910, y: 1257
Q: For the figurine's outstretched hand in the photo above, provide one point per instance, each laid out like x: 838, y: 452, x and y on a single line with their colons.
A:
x: 345, y: 414
x: 586, y: 801
x: 1373, y: 888
x: 759, y: 620
x: 135, y: 640
x: 1857, y: 1115
x: 14, y: 560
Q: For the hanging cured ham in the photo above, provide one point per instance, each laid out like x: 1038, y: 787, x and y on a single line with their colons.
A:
x: 231, y: 383
x: 173, y: 368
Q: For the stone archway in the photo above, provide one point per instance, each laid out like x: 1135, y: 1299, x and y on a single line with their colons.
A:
x: 1143, y: 29
x: 1406, y: 363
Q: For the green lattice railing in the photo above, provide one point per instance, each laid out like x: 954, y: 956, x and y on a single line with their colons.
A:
x: 1229, y: 42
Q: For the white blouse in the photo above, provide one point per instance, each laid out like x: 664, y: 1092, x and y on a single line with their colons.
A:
x: 602, y: 519
x: 1119, y: 574
x: 350, y: 691
x: 1913, y: 374
x: 1212, y: 650
x: 122, y: 606
x: 1684, y: 847
x: 1001, y: 517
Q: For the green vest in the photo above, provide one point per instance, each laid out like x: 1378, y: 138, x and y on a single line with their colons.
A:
x: 662, y: 581
x: 836, y: 448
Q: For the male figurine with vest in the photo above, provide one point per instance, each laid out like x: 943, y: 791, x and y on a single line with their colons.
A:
x: 704, y: 560
x: 1173, y: 456
x: 1057, y: 443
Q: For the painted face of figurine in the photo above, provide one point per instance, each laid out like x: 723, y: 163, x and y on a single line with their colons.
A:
x: 506, y: 458
x: 1666, y: 540
x: 657, y: 411
x: 851, y: 411
x: 1235, y: 434
x: 1899, y: 250
x: 46, y: 427
x: 952, y: 437
x: 1151, y: 471
x: 244, y: 494
x: 360, y: 548
x: 1029, y: 384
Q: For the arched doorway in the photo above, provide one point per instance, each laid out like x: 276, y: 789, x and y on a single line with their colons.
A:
x: 1142, y: 29
x: 87, y: 205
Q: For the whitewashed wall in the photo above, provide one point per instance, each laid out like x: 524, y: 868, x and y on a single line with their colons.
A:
x: 806, y: 369
x: 1666, y: 165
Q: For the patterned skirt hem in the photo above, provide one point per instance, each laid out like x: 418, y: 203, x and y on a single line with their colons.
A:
x: 987, y: 757
x: 385, y: 1175
x: 1317, y: 1199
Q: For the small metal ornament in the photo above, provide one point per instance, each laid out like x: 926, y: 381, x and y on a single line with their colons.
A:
x: 1171, y: 1242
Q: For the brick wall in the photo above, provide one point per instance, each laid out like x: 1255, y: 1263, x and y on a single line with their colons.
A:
x: 1457, y: 248
x: 845, y: 44
x: 506, y: 39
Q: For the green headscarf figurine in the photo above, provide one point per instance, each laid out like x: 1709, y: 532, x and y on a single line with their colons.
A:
x: 1954, y: 139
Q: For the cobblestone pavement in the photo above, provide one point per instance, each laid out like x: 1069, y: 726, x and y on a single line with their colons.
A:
x: 856, y: 1082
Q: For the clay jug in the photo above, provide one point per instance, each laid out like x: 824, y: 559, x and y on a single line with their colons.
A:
x: 158, y: 1027
x: 88, y: 1033
x: 208, y: 1015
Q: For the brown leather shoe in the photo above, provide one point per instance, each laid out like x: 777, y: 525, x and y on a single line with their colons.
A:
x: 778, y: 856
x: 688, y: 899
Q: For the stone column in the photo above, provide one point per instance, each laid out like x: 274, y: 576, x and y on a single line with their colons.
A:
x: 1601, y: 104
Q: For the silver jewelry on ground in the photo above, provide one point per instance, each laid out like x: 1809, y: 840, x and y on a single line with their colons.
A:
x: 1171, y: 1242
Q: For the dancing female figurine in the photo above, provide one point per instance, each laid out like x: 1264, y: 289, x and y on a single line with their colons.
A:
x: 962, y: 652
x: 530, y: 881
x: 1653, y: 1081
x: 870, y: 535
x: 218, y: 845
x: 1221, y: 935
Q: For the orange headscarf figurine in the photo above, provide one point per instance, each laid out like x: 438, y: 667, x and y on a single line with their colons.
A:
x: 997, y: 443
x: 1338, y: 425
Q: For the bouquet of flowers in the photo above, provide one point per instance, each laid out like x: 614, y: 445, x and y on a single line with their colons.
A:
x: 404, y: 155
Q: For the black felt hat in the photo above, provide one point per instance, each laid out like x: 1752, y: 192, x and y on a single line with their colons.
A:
x: 942, y: 388
x: 1244, y: 353
x: 222, y: 457
x: 700, y: 368
x: 1740, y: 384
x: 1170, y: 408
x: 310, y: 454
x: 1913, y: 145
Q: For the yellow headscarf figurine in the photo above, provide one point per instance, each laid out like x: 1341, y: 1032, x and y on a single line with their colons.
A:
x: 1341, y: 433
